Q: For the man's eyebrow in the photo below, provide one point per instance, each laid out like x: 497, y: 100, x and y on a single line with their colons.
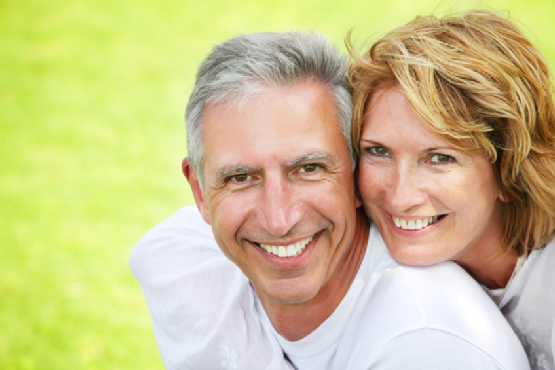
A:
x: 225, y: 171
x: 315, y: 156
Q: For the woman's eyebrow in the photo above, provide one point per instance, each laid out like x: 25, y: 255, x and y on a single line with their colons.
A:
x: 436, y: 148
x: 369, y: 141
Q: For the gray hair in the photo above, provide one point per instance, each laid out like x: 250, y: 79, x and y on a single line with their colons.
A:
x: 238, y: 69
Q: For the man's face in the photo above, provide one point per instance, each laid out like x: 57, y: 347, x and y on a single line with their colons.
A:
x: 279, y: 190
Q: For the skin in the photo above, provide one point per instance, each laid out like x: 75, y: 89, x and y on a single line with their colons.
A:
x: 277, y: 171
x: 409, y: 172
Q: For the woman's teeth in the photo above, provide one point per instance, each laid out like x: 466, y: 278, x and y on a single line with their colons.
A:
x: 415, y: 224
x: 292, y: 250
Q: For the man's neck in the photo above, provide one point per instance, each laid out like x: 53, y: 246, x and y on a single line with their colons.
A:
x: 296, y: 321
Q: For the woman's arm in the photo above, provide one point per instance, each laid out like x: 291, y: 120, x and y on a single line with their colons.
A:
x: 201, y: 304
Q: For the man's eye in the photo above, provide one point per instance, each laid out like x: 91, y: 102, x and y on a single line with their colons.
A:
x: 308, y: 168
x: 378, y: 150
x: 441, y: 158
x: 239, y: 178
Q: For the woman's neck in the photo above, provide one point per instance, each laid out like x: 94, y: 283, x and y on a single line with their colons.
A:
x: 492, y: 269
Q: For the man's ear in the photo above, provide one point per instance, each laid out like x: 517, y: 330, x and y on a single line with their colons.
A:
x: 194, y: 183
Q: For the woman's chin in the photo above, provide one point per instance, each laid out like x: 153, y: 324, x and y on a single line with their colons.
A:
x: 414, y: 256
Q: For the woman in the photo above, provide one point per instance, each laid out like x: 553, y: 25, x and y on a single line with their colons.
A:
x: 455, y: 126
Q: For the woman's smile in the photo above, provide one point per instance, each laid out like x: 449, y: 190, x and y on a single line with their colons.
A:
x: 431, y: 201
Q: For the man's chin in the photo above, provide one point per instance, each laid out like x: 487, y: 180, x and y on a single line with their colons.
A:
x: 285, y: 292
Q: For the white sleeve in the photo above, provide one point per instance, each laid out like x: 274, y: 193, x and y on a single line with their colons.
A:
x: 431, y: 349
x: 201, y: 304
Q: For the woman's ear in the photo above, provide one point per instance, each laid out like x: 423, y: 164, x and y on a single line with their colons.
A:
x: 503, y: 196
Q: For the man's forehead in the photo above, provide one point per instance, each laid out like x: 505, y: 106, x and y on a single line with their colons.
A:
x: 281, y: 127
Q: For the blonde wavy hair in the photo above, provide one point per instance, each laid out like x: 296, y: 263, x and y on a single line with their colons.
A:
x: 475, y: 79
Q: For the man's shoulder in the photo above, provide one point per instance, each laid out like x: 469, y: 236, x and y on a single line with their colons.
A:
x: 402, y: 301
x: 441, y: 296
x: 445, y: 282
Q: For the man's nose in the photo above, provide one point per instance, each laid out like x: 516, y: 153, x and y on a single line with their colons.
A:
x: 280, y: 208
x: 405, y: 189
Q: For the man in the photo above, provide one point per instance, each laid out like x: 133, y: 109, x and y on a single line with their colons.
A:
x: 271, y: 169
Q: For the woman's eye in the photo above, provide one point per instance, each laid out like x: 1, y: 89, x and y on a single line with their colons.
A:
x: 441, y: 158
x: 308, y: 168
x: 378, y: 150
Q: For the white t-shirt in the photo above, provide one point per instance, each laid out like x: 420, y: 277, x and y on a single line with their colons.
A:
x: 206, y: 315
x: 529, y: 306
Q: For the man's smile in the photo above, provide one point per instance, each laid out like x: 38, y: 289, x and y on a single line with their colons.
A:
x: 287, y: 250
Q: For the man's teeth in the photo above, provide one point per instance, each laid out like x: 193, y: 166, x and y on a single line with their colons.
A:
x: 415, y: 224
x: 292, y: 250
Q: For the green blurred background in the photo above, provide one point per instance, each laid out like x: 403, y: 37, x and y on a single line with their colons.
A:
x: 92, y: 95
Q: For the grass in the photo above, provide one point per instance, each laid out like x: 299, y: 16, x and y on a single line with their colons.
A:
x: 92, y: 97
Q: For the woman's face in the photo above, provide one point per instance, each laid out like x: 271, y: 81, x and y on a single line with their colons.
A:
x: 430, y: 201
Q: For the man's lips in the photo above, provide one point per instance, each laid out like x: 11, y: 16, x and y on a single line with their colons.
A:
x: 287, y: 250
